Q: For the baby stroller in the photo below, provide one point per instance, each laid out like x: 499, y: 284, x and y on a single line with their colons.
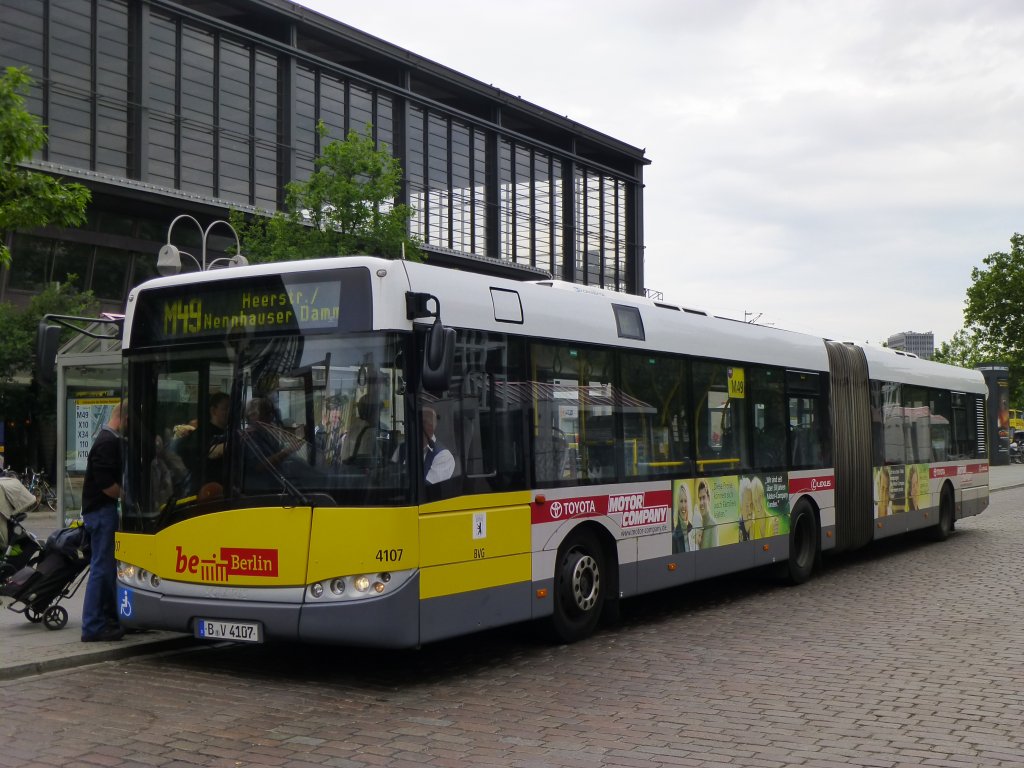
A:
x: 54, y: 575
x: 18, y: 545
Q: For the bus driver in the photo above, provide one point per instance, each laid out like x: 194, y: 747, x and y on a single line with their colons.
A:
x: 438, y: 461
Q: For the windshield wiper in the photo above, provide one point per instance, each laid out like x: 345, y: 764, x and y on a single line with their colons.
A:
x: 288, y: 487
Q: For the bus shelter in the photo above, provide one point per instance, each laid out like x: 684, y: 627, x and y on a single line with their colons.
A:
x: 88, y: 387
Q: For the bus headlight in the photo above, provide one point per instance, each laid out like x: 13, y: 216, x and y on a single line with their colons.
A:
x: 126, y: 572
x: 134, y: 576
x: 358, y: 586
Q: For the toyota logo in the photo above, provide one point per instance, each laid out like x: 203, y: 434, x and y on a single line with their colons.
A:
x: 556, y: 509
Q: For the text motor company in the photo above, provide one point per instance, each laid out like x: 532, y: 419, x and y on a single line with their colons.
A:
x: 640, y: 514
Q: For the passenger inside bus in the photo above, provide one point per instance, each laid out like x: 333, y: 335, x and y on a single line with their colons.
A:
x: 267, y: 445
x: 205, y: 465
x: 331, y: 434
x: 361, y: 442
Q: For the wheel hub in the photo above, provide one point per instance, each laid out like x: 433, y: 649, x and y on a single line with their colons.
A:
x: 586, y: 583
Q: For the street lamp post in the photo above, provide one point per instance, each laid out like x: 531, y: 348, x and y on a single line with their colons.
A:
x: 168, y: 260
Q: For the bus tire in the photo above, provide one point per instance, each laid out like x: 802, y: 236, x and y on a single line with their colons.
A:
x: 942, y: 529
x: 804, y: 544
x: 580, y: 587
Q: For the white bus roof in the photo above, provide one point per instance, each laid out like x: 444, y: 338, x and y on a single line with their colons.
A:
x: 889, y: 365
x: 552, y: 309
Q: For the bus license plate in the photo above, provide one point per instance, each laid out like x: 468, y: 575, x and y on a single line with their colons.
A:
x: 239, y: 631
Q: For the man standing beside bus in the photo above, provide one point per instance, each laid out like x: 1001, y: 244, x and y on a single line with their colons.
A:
x: 100, y: 493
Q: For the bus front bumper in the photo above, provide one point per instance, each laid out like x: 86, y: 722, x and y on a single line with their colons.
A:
x: 389, y: 621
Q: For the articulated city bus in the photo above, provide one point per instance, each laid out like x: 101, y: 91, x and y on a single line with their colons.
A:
x: 386, y: 453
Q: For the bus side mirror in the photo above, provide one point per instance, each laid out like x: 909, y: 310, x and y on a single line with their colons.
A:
x: 438, y: 357
x: 47, y: 341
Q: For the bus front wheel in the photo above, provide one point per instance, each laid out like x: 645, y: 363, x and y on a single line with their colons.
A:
x: 580, y: 586
x: 804, y: 544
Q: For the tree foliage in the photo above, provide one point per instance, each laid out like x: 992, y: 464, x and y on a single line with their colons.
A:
x: 18, y: 326
x: 29, y: 198
x: 994, y: 317
x: 968, y: 348
x: 995, y: 298
x: 345, y: 207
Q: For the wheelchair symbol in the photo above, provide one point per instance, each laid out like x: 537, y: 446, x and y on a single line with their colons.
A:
x: 125, y: 608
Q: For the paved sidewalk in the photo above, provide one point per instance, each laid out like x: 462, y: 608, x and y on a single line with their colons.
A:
x: 30, y: 649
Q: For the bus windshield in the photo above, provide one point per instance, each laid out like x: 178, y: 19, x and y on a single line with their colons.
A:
x: 285, y: 420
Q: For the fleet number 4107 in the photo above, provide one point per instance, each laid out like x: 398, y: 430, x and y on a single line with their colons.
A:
x: 389, y: 555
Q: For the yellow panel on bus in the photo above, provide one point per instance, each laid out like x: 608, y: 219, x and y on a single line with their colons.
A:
x: 350, y: 541
x: 477, y: 574
x: 474, y: 534
x: 263, y: 547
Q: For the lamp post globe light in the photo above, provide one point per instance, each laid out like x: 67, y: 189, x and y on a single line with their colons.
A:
x: 168, y: 260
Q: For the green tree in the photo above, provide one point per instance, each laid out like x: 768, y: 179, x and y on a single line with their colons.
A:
x: 345, y: 207
x: 968, y: 348
x: 994, y: 317
x: 29, y: 198
x: 18, y: 325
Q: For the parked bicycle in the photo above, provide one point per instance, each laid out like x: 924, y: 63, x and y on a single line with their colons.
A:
x: 40, y: 487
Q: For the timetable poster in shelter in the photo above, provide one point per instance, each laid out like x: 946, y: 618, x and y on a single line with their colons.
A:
x: 87, y: 415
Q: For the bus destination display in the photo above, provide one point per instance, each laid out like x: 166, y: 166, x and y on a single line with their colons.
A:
x: 309, y: 306
x: 259, y: 305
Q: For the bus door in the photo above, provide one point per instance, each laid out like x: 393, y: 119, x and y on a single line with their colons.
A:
x: 468, y: 455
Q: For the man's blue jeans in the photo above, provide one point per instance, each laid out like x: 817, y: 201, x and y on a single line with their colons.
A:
x: 100, y: 608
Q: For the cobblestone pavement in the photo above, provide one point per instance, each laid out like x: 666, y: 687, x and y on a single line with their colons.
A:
x: 908, y: 654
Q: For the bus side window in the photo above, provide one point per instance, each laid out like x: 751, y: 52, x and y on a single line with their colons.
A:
x: 656, y: 431
x: 721, y: 421
x: 767, y: 394
x: 917, y: 425
x: 892, y: 423
x: 574, y: 405
x: 481, y: 419
x: 806, y: 420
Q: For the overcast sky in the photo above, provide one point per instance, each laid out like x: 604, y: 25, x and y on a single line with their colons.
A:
x: 835, y: 166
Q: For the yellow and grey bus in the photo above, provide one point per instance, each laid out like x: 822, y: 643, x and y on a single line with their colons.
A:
x: 386, y: 453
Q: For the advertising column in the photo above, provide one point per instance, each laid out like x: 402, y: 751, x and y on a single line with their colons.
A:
x: 997, y: 378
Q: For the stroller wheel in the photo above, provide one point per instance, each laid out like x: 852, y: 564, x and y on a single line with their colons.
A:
x: 55, y: 617
x: 33, y: 615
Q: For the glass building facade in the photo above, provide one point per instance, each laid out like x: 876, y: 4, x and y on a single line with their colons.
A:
x: 200, y: 106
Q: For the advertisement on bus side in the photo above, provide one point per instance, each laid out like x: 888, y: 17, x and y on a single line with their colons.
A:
x: 901, y: 488
x: 715, y: 511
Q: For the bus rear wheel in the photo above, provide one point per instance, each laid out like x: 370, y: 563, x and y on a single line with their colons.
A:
x: 804, y: 544
x: 580, y: 586
x: 942, y: 529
